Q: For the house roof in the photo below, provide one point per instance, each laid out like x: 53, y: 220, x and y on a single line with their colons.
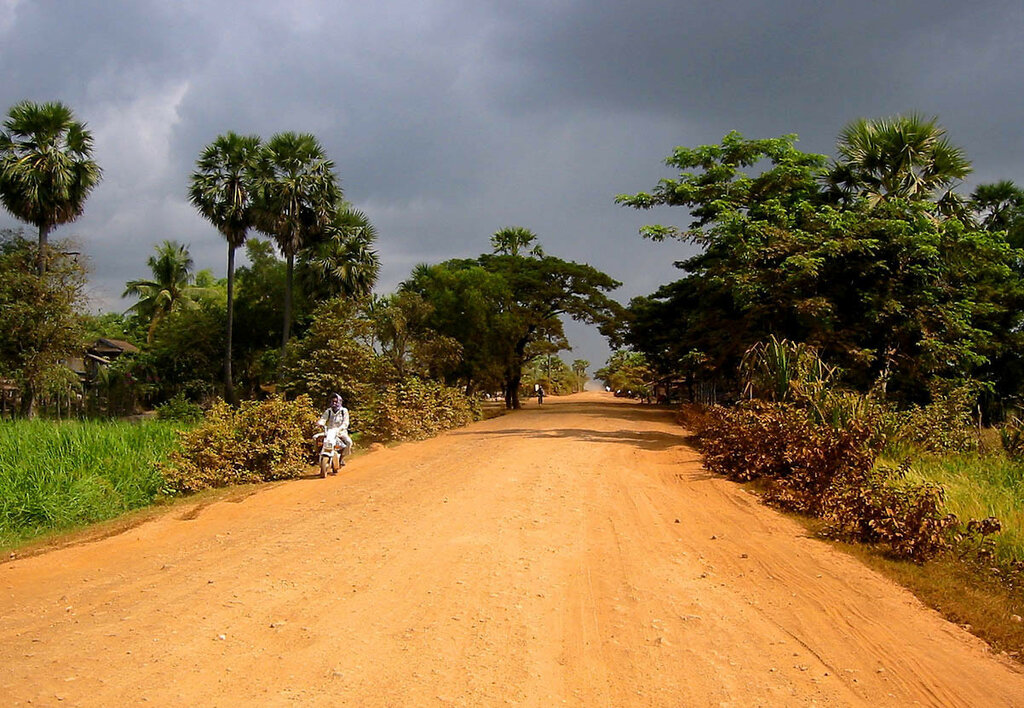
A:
x: 118, y: 346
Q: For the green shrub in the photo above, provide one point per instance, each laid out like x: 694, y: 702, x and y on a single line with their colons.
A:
x: 944, y: 425
x: 1011, y: 434
x: 258, y: 442
x: 180, y: 409
x: 414, y: 409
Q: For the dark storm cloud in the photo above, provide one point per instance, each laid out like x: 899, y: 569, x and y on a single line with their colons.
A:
x: 449, y: 120
x: 769, y: 67
x: 95, y: 50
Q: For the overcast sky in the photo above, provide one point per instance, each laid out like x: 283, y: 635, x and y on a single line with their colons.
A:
x: 449, y: 120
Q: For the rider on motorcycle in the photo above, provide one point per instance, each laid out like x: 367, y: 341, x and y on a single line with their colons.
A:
x: 336, y: 441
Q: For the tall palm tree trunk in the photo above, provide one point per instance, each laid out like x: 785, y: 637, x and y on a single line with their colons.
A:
x: 44, y: 232
x: 288, y: 301
x: 229, y: 385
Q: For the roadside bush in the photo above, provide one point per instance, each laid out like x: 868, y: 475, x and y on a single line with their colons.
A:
x: 779, y: 442
x: 258, y: 442
x: 944, y: 425
x: 828, y: 473
x: 1011, y: 434
x: 180, y: 409
x: 414, y: 409
x: 693, y: 416
x: 878, y: 505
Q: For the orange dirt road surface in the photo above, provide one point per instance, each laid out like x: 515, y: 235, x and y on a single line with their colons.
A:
x: 574, y: 553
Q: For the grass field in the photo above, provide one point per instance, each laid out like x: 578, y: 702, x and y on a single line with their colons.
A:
x: 56, y: 476
x: 978, y: 486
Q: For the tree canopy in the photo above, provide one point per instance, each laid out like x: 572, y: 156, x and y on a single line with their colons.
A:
x: 894, y: 290
x: 503, y: 309
x: 46, y: 167
x: 40, y: 322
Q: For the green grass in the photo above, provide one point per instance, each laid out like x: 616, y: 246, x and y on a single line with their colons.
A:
x: 58, y: 476
x: 978, y: 486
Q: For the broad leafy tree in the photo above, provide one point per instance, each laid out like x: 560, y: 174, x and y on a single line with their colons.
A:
x: 399, y: 328
x: 259, y: 307
x: 46, y: 167
x: 222, y: 189
x: 892, y: 289
x: 298, y: 195
x: 40, y: 323
x: 627, y: 372
x: 505, y: 309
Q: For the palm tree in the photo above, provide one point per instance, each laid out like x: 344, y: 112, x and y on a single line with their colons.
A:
x: 297, y: 196
x: 46, y: 167
x: 579, y: 368
x: 997, y: 204
x: 170, y: 289
x: 906, y: 157
x: 342, y: 262
x: 222, y: 190
x: 510, y: 240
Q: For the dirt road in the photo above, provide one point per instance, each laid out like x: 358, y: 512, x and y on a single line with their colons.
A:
x: 574, y: 553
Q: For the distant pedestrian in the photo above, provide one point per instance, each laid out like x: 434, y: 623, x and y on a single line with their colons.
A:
x: 540, y: 394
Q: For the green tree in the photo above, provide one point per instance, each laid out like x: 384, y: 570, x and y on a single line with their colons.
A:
x: 298, y: 194
x: 997, y: 205
x: 627, y: 371
x: 892, y: 291
x: 579, y: 370
x: 170, y: 288
x: 463, y: 300
x: 513, y: 241
x: 549, y: 371
x: 331, y: 357
x: 110, y: 325
x: 46, y: 167
x: 342, y: 262
x: 222, y: 189
x: 185, y: 356
x: 908, y: 157
x: 399, y: 328
x: 40, y: 322
x: 1000, y: 207
x: 259, y: 304
x: 505, y: 309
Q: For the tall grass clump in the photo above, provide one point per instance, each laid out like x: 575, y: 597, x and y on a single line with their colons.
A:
x: 979, y: 486
x: 61, y: 475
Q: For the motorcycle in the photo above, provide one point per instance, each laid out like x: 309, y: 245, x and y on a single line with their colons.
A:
x: 330, y: 452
